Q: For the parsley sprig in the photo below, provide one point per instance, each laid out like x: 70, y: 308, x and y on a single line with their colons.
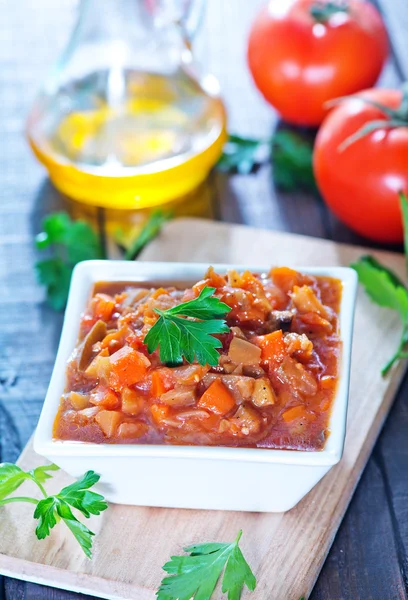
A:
x: 195, y: 576
x: 177, y: 335
x: 386, y: 289
x: 290, y: 152
x: 68, y: 242
x: 51, y: 509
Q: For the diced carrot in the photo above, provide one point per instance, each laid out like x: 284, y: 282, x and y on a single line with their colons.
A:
x: 162, y: 382
x: 132, y: 402
x: 105, y: 397
x: 135, y: 429
x: 108, y: 421
x: 115, y: 340
x: 128, y: 367
x: 272, y: 345
x: 103, y: 307
x: 159, y: 292
x: 217, y: 398
x: 285, y: 278
x: 159, y: 412
x: 248, y: 280
x: 328, y: 382
x: 297, y: 412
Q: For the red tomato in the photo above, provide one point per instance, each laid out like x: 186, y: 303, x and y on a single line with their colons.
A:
x: 360, y: 182
x: 299, y: 63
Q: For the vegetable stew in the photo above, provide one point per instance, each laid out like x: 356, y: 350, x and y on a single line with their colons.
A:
x: 273, y: 385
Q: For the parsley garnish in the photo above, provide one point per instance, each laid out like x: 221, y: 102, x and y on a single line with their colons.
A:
x: 242, y: 154
x: 386, y: 289
x: 51, y: 509
x: 178, y: 336
x: 71, y: 242
x: 291, y: 154
x: 196, y: 575
x: 292, y: 160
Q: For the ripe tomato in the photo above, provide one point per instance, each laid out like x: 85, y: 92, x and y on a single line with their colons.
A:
x: 360, y: 182
x: 300, y: 61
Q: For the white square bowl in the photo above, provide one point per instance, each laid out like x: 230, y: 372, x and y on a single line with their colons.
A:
x: 200, y: 477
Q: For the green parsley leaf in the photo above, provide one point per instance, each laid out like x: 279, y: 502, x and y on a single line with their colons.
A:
x: 148, y: 232
x: 382, y: 285
x: 196, y: 576
x: 404, y: 210
x: 70, y: 243
x: 55, y: 275
x: 242, y: 154
x: 386, y: 289
x: 41, y: 474
x: 53, y: 508
x: 178, y: 336
x: 292, y: 160
x: 11, y: 477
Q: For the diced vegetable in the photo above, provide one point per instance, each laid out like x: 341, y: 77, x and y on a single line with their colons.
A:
x: 298, y: 377
x: 217, y: 399
x: 78, y: 401
x: 163, y: 380
x: 189, y: 374
x: 97, y: 333
x: 285, y: 278
x: 105, y: 397
x: 298, y: 343
x: 160, y: 413
x: 247, y: 419
x: 132, y: 430
x: 305, y: 300
x: 100, y: 367
x: 272, y: 346
x: 115, y: 339
x: 180, y: 396
x: 128, y: 367
x: 297, y: 412
x: 132, y: 402
x: 241, y: 351
x: 108, y: 421
x: 263, y: 394
x: 103, y: 307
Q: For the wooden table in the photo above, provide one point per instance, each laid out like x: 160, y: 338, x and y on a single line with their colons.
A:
x: 369, y: 557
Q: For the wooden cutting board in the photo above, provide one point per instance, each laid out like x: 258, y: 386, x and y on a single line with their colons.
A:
x: 286, y: 551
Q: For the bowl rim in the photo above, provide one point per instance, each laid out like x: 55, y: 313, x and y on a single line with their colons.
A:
x: 88, y: 272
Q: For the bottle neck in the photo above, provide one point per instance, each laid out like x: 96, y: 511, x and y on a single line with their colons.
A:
x: 114, y: 18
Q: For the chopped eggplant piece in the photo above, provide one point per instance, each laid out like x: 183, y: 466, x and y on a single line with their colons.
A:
x: 96, y: 334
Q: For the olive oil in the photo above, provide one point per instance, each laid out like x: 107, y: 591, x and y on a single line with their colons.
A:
x: 128, y: 139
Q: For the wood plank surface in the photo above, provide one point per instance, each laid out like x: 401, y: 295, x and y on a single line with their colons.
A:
x: 285, y: 550
x: 31, y: 36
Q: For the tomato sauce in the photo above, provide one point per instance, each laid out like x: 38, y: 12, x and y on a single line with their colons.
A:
x: 273, y: 386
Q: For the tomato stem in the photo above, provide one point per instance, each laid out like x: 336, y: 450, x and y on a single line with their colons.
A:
x: 393, y: 117
x: 322, y: 10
